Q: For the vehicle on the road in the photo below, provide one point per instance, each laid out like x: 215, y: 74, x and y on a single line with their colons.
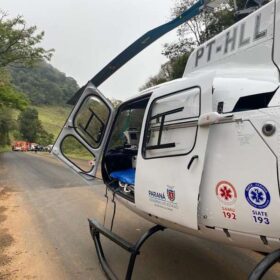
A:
x: 40, y: 148
x: 48, y: 148
x: 198, y: 154
x: 22, y: 146
x: 32, y: 146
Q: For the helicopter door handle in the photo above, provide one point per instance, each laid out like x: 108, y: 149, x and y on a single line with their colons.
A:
x: 191, y: 161
x: 213, y: 117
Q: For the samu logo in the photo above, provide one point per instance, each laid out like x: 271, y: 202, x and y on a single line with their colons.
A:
x: 257, y: 195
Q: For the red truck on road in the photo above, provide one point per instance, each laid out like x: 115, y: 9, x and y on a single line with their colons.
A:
x: 22, y: 146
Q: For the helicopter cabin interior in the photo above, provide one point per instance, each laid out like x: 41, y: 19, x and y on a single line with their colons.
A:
x: 84, y: 147
x: 120, y: 155
x: 170, y: 129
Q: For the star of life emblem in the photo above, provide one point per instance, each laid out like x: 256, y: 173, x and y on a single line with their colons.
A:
x: 226, y: 193
x: 257, y: 195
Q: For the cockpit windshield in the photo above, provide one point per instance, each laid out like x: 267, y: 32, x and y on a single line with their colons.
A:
x: 127, y: 129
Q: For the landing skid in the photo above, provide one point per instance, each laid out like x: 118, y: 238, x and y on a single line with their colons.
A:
x: 264, y: 265
x: 134, y: 249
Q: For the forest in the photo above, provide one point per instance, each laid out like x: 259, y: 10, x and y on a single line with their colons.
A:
x: 43, y: 84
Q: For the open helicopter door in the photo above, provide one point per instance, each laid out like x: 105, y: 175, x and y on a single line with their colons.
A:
x: 82, y: 139
x: 174, y: 141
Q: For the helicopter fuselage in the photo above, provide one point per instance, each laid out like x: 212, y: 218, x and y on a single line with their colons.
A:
x: 198, y: 154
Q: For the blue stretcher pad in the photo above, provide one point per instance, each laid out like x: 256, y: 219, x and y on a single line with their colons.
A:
x: 126, y: 176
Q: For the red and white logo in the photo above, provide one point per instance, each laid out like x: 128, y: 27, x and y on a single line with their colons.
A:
x: 226, y: 192
x: 171, y: 194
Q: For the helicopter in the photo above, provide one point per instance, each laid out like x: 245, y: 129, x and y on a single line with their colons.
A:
x: 199, y: 154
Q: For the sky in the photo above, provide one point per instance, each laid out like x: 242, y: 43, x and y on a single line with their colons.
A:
x: 87, y: 34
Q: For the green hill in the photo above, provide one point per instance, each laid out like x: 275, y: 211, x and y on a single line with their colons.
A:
x: 48, y: 90
x: 43, y: 84
x: 53, y: 118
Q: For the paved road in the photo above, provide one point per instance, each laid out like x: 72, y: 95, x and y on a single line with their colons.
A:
x: 61, y: 202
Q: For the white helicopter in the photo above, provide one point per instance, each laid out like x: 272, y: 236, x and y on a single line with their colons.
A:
x: 198, y: 154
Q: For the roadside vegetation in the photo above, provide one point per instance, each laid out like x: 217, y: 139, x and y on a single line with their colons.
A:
x: 53, y: 117
x: 5, y: 148
x: 28, y: 85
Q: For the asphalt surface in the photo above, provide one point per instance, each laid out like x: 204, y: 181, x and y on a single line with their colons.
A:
x: 61, y: 202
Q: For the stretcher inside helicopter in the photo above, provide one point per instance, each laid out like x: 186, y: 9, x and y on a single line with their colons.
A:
x: 167, y: 117
x: 120, y: 160
x: 119, y: 155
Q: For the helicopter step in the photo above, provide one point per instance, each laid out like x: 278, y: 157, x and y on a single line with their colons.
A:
x: 264, y: 265
x: 134, y: 249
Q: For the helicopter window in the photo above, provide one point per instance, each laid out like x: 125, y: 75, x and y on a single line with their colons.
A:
x: 77, y: 153
x: 172, y: 124
x: 253, y: 102
x: 91, y: 120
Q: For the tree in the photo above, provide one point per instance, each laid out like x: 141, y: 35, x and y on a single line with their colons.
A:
x: 43, y: 84
x: 9, y: 96
x: 200, y: 28
x: 31, y: 129
x: 19, y: 43
x: 190, y: 34
x: 115, y: 102
x: 173, y: 69
x: 44, y: 138
x: 18, y: 48
x: 29, y: 124
x: 6, y: 124
x: 9, y: 99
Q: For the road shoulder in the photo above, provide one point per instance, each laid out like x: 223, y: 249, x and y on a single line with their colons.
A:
x: 24, y: 254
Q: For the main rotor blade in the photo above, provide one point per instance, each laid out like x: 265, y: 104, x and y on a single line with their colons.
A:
x: 140, y: 44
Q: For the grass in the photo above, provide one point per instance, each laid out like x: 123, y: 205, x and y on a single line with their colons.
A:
x: 53, y: 117
x: 79, y: 155
x: 5, y: 149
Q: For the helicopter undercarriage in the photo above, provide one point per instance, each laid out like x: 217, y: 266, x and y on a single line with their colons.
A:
x: 106, y: 230
x: 96, y: 229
